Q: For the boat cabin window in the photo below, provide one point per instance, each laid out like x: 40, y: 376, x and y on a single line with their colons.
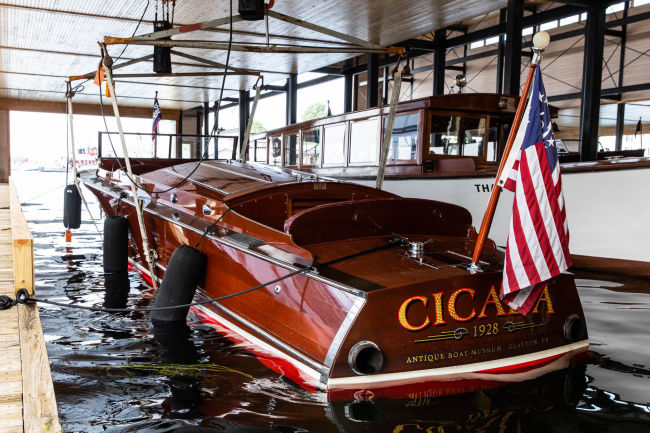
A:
x: 275, y: 156
x: 457, y: 135
x: 291, y: 148
x: 492, y: 143
x: 364, y: 142
x: 311, y: 148
x: 404, y: 143
x: 260, y: 150
x: 334, y: 145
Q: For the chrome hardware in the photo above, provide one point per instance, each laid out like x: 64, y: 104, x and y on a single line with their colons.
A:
x: 416, y: 250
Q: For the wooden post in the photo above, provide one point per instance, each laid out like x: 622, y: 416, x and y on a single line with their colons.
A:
x: 23, y: 245
x: 5, y: 157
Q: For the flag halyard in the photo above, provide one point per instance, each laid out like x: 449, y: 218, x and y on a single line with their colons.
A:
x: 538, y: 239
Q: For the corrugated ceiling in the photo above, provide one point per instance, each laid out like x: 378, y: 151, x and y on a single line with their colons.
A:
x: 43, y: 42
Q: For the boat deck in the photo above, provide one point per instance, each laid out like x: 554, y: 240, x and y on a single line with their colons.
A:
x: 27, y: 401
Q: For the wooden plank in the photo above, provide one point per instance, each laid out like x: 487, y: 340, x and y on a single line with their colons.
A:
x: 23, y: 244
x: 11, y: 398
x: 39, y: 403
x: 27, y: 401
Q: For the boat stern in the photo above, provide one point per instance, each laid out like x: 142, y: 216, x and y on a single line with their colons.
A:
x: 456, y: 335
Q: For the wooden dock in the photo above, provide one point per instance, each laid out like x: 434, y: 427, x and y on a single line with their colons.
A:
x: 27, y: 401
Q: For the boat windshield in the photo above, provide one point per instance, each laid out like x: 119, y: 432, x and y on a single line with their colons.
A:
x: 457, y: 135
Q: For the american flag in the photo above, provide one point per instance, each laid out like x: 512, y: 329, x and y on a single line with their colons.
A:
x: 157, y: 115
x: 538, y: 241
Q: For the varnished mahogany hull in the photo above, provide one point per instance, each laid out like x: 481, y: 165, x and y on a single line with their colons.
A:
x: 304, y: 327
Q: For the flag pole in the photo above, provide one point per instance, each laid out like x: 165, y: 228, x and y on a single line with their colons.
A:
x: 540, y: 41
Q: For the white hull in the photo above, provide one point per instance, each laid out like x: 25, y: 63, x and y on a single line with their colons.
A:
x: 608, y: 210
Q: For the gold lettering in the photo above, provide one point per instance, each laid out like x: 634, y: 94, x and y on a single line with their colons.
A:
x: 492, y: 298
x: 451, y: 307
x: 401, y: 315
x: 437, y: 298
x: 546, y: 297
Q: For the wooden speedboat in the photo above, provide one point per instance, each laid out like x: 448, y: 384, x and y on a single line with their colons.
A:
x: 386, y: 298
x: 446, y: 148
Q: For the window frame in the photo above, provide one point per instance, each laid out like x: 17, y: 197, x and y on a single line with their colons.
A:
x: 420, y: 132
x: 266, y: 156
x: 320, y: 146
x: 345, y: 144
x: 427, y: 137
x: 270, y: 140
x: 298, y: 133
x: 378, y: 142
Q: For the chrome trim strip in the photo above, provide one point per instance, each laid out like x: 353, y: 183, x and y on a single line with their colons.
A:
x: 277, y: 342
x: 341, y: 334
x: 221, y: 240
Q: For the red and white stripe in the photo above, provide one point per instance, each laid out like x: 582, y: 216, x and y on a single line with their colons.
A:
x: 537, y: 248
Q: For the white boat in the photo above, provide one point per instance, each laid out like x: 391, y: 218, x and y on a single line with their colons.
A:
x: 445, y: 148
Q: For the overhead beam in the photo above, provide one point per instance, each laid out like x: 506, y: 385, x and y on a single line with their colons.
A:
x: 188, y: 28
x: 528, y: 21
x: 321, y: 29
x: 604, y: 93
x: 80, y: 108
x: 249, y: 48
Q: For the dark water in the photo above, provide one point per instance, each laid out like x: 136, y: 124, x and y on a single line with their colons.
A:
x: 114, y: 373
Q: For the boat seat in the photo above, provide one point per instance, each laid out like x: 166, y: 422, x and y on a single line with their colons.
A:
x: 377, y: 217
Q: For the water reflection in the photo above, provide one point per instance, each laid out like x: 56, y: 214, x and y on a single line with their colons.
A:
x: 120, y: 373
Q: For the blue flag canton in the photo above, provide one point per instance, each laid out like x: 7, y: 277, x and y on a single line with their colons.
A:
x: 157, y: 115
x: 540, y: 126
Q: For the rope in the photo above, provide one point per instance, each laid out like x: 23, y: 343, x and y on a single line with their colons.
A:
x: 210, y: 229
x: 70, y: 94
x: 23, y: 295
x: 150, y: 254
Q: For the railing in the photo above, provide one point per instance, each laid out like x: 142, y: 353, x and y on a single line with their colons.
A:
x: 183, y: 146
